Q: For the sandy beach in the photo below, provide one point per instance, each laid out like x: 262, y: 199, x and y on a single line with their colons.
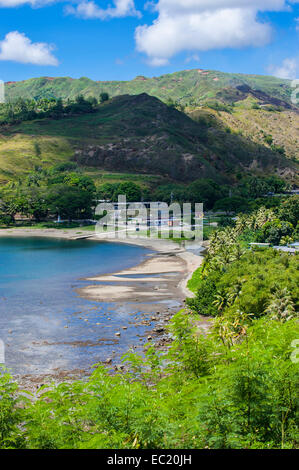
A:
x: 157, y: 286
x: 172, y: 265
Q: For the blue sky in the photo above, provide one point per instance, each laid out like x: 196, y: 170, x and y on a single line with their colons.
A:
x: 119, y: 39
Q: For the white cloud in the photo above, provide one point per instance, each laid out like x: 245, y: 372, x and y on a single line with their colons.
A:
x: 192, y: 58
x: 18, y: 48
x: 157, y: 61
x: 89, y: 9
x: 201, y: 25
x: 14, y: 3
x: 288, y: 69
x: 17, y: 3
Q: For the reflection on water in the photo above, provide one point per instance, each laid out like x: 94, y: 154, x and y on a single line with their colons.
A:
x: 43, y: 323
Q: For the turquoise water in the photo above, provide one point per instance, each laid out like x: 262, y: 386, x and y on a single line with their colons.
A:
x: 38, y: 277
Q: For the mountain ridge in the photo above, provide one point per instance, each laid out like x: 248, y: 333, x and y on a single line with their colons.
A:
x: 188, y: 86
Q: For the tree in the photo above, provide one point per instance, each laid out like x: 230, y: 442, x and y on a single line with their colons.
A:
x: 131, y: 190
x: 70, y: 202
x: 290, y: 210
x: 231, y: 204
x: 81, y: 181
x: 276, y: 184
x: 58, y: 108
x: 255, y: 186
x: 34, y: 202
x: 272, y: 232
x: 104, y: 97
x: 110, y: 191
x: 10, y: 204
x: 281, y: 306
x: 204, y: 191
x: 171, y: 193
x: 107, y: 191
x: 93, y: 101
x: 80, y: 106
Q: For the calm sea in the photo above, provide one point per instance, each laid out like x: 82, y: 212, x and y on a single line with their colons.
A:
x: 44, y: 324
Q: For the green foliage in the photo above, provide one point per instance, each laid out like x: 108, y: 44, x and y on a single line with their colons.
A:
x: 226, y: 222
x: 131, y: 190
x: 80, y: 181
x: 255, y: 187
x: 289, y: 210
x: 204, y: 191
x: 45, y: 193
x: 104, y: 97
x: 111, y: 191
x: 70, y: 202
x: 11, y: 414
x: 269, y: 202
x: 170, y: 193
x: 235, y: 282
x: 258, y: 275
x: 193, y: 282
x: 255, y: 221
x: 200, y: 394
x: 279, y: 149
x: 232, y: 387
x: 252, y: 401
x: 268, y: 139
x: 272, y: 232
x: 231, y: 204
x: 219, y: 106
x: 281, y: 305
x: 27, y: 110
x: 205, y: 287
x: 108, y: 191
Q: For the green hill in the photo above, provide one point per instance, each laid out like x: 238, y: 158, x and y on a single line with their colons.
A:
x: 141, y: 138
x: 187, y: 87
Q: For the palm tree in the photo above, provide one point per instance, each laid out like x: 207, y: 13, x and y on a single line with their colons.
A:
x: 220, y: 301
x: 235, y: 291
x: 238, y: 252
x: 281, y: 306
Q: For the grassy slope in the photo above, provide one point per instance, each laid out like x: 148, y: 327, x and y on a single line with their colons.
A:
x: 130, y: 134
x: 283, y: 127
x: 137, y: 138
x: 18, y: 153
x: 257, y: 124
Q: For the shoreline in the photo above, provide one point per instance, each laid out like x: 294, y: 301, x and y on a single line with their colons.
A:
x: 191, y: 260
x: 158, y: 286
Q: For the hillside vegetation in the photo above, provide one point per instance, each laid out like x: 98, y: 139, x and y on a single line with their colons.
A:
x: 274, y: 128
x: 187, y: 87
x: 138, y: 135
